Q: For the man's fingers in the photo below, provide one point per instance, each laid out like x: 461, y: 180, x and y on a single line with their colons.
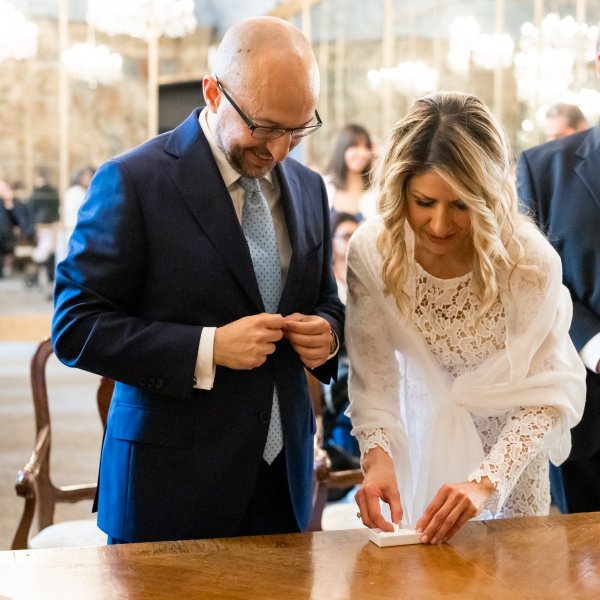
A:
x: 309, y: 341
x: 270, y: 321
x: 306, y: 324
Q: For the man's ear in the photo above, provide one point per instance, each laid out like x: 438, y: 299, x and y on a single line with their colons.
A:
x: 211, y: 92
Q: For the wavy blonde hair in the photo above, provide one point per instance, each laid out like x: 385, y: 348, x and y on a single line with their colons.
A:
x: 456, y: 136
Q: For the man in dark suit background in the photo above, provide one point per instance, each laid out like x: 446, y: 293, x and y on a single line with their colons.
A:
x: 162, y: 291
x: 560, y: 183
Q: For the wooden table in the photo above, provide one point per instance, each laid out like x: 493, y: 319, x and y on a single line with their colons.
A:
x: 542, y: 557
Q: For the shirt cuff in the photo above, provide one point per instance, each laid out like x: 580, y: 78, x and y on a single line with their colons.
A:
x: 590, y: 353
x: 204, y: 374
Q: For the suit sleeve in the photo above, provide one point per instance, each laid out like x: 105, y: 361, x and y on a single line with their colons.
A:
x: 97, y: 324
x: 585, y: 324
x: 526, y: 189
x: 329, y: 305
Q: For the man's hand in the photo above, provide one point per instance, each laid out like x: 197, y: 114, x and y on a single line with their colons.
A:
x: 452, y: 507
x: 379, y: 482
x: 246, y: 343
x: 310, y: 337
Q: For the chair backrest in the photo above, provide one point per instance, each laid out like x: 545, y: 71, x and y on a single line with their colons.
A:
x: 34, y: 482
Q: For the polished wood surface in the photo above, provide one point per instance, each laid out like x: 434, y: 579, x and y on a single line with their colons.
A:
x: 542, y: 557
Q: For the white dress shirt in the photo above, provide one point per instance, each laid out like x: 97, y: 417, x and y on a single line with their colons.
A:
x: 205, y: 369
x: 590, y: 353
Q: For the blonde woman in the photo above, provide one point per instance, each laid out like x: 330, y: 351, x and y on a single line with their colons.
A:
x: 463, y: 377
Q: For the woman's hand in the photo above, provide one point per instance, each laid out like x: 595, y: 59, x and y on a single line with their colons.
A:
x: 379, y: 482
x: 452, y: 507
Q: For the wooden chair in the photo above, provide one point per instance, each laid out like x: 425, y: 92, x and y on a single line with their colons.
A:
x: 34, y: 482
x: 324, y: 478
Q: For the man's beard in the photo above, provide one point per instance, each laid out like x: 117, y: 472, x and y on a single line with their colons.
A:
x: 235, y: 157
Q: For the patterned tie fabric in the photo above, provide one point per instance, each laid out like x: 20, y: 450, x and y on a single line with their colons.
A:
x: 259, y: 231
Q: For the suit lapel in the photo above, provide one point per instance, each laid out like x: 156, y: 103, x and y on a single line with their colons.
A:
x: 587, y: 168
x: 291, y: 199
x: 198, y: 179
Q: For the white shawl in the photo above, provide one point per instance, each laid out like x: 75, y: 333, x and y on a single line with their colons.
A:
x: 396, y: 383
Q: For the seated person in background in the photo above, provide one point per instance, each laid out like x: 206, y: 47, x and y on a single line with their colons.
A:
x: 348, y: 173
x: 463, y: 378
x: 44, y: 208
x: 75, y: 195
x: 562, y: 120
x: 340, y: 445
x: 15, y: 225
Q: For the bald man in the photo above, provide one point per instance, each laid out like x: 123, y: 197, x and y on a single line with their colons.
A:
x: 198, y: 278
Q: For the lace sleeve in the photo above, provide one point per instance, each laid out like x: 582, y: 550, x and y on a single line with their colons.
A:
x: 374, y: 371
x: 521, y: 439
x: 372, y: 438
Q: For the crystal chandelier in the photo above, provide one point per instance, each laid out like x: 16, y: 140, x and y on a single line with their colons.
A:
x: 411, y: 78
x: 145, y: 19
x: 18, y: 37
x: 488, y: 51
x: 93, y: 64
x: 464, y: 32
x: 545, y: 64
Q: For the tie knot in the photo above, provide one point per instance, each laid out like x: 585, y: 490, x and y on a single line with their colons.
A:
x: 250, y: 185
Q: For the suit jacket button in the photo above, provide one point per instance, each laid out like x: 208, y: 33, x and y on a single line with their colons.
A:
x: 159, y: 384
x: 264, y: 416
x: 151, y: 382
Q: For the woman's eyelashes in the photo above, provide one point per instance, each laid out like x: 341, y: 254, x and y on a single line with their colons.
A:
x: 427, y: 203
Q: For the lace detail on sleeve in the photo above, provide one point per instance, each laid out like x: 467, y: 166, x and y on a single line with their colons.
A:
x: 371, y: 438
x: 519, y: 441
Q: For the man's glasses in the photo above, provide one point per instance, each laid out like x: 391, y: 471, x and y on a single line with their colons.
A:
x: 271, y: 133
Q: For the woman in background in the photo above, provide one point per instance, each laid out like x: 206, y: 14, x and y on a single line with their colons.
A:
x: 348, y: 173
x: 463, y: 377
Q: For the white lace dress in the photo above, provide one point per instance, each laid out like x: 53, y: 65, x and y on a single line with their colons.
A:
x: 445, y: 314
x: 452, y: 398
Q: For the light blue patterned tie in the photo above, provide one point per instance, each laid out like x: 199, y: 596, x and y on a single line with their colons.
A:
x: 259, y: 231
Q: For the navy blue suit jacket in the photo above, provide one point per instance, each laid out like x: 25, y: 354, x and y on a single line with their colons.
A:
x: 559, y: 182
x: 157, y: 254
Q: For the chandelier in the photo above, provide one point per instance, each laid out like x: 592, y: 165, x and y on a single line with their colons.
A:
x: 145, y: 19
x: 464, y: 32
x: 488, y: 51
x: 545, y: 64
x: 93, y: 64
x: 18, y: 37
x: 411, y: 78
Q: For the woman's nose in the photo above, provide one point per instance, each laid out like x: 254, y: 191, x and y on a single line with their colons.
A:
x: 440, y: 223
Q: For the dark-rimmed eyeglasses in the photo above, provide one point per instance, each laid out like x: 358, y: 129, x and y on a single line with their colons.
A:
x: 261, y: 132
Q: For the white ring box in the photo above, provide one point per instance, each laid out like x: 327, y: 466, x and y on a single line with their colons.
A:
x: 402, y: 537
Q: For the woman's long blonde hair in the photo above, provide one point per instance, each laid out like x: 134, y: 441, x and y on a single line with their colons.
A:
x: 456, y: 136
